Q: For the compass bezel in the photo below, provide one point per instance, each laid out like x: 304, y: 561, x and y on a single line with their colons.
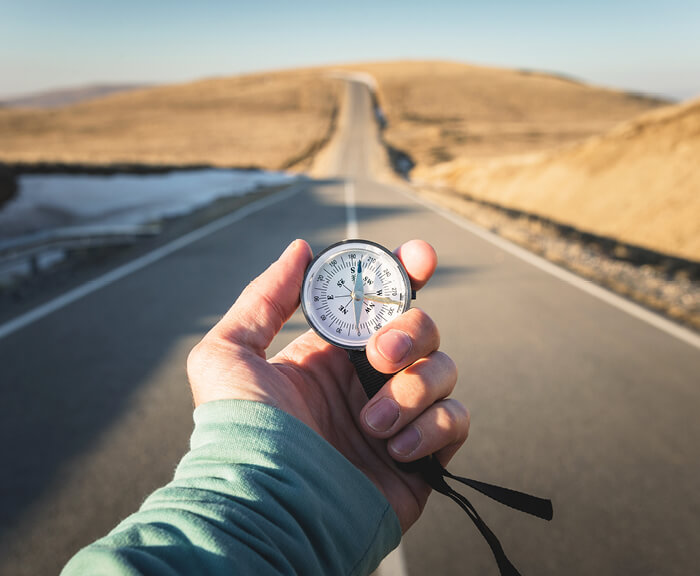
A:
x: 325, y: 256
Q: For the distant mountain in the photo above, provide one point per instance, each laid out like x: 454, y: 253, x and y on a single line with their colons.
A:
x: 67, y: 96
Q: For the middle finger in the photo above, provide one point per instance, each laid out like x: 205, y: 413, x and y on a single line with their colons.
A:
x: 408, y: 394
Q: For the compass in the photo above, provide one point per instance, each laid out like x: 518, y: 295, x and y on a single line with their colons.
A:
x: 351, y: 290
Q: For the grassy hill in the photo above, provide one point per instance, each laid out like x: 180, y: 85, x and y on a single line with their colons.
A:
x: 604, y: 161
x: 638, y: 182
x: 608, y: 162
x: 438, y: 111
x: 273, y: 121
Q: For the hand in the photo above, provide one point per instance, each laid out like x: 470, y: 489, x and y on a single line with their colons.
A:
x: 315, y: 382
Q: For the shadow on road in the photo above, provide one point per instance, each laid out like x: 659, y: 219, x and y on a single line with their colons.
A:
x: 72, y: 379
x: 449, y: 274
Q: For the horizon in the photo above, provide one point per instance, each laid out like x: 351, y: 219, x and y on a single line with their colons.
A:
x: 631, y: 46
x: 97, y: 83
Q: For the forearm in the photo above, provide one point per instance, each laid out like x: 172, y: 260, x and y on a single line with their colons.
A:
x: 258, y: 493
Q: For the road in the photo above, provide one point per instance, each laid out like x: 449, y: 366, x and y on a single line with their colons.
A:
x: 571, y: 397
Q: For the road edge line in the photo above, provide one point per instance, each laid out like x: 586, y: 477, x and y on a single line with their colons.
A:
x: 132, y: 266
x: 630, y: 308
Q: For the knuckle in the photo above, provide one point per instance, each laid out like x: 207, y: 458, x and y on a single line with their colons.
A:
x: 448, y: 368
x: 436, y: 372
x: 464, y: 419
x: 451, y: 366
x: 422, y: 318
x: 456, y: 418
x: 413, y: 386
x: 422, y: 327
x: 195, y: 358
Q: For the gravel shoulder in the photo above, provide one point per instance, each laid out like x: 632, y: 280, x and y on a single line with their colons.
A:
x: 665, y: 285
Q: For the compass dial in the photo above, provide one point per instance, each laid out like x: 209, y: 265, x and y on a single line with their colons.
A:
x: 351, y: 290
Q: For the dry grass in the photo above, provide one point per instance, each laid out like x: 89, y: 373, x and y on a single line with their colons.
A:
x: 600, y: 160
x: 438, y: 111
x: 638, y: 183
x: 269, y: 120
x: 507, y: 136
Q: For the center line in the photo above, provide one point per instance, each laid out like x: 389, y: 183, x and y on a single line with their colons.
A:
x: 351, y: 230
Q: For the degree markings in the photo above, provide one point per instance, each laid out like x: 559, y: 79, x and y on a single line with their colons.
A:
x: 377, y: 315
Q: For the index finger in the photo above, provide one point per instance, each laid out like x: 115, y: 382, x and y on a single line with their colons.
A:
x: 420, y: 260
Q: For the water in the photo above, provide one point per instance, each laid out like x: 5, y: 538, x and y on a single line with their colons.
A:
x: 47, y: 201
x: 96, y: 203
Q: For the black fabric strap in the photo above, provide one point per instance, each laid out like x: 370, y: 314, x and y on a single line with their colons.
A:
x: 540, y: 507
x: 372, y: 380
x: 435, y: 475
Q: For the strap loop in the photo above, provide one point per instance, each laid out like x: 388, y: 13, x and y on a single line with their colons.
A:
x: 435, y: 474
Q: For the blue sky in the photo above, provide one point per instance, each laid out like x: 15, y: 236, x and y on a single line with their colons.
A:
x: 645, y: 46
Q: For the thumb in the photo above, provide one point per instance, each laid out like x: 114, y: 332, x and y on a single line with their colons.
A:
x: 267, y: 302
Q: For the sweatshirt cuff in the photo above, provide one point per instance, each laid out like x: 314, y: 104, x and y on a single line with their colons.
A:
x: 299, y: 476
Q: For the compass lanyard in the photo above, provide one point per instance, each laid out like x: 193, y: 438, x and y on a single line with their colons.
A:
x: 435, y: 475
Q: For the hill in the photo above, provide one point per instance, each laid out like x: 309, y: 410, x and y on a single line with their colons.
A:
x: 607, y: 162
x: 604, y: 161
x: 438, y: 111
x: 273, y: 121
x: 638, y: 183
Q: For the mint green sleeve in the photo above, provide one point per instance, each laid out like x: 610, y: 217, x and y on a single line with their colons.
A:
x: 258, y: 493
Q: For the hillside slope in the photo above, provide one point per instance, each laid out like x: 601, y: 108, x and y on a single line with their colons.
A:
x: 638, y: 183
x: 604, y: 161
x: 438, y: 111
x: 272, y: 121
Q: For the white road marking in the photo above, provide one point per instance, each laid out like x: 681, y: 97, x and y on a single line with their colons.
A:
x: 141, y: 262
x: 395, y: 563
x: 635, y: 310
x: 351, y: 230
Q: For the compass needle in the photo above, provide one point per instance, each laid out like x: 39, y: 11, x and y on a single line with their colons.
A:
x: 383, y: 300
x: 358, y: 295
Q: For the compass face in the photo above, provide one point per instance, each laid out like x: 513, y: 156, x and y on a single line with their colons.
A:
x: 351, y: 290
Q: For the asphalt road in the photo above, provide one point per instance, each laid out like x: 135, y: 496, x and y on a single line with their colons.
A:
x: 571, y: 398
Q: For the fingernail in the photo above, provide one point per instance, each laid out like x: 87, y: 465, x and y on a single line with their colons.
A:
x: 382, y: 415
x: 406, y: 442
x: 394, y: 345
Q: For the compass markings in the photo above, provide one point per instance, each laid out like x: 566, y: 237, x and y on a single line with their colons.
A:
x: 334, y: 310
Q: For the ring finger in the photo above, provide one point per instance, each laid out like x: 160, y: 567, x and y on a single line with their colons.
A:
x: 440, y: 430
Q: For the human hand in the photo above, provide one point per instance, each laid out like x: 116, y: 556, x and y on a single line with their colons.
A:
x: 316, y: 383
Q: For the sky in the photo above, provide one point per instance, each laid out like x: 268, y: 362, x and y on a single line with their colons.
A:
x: 651, y: 47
